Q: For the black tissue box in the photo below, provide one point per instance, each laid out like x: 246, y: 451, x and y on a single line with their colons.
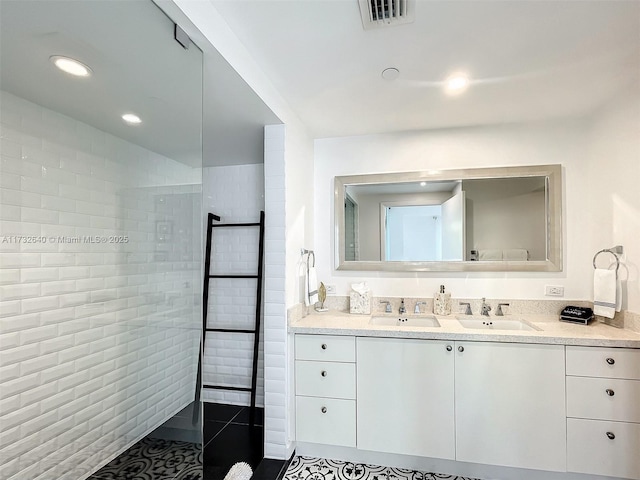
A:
x: 580, y: 315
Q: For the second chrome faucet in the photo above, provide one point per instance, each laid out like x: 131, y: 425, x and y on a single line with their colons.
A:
x: 485, y: 308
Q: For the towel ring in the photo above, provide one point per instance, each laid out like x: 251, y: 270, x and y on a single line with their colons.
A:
x: 607, y: 250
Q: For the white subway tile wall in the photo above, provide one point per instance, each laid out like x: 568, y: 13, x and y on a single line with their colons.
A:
x: 99, y: 334
x: 275, y: 325
x: 236, y: 194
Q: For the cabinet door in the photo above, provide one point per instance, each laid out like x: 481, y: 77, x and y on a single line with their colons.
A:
x: 405, y: 397
x: 510, y: 405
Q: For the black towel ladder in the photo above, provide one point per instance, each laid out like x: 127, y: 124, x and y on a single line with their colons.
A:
x: 211, y: 218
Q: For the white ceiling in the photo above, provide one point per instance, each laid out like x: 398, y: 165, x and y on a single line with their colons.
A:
x: 528, y: 60
x: 137, y: 66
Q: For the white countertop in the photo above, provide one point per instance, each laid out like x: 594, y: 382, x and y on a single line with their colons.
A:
x: 552, y: 331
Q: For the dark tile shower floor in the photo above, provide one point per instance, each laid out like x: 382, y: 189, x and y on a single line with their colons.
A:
x: 231, y: 436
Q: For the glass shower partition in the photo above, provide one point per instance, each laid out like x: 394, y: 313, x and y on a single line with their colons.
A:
x: 100, y: 236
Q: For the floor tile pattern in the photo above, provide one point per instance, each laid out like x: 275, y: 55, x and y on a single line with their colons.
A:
x: 310, y: 468
x: 231, y: 434
x: 155, y: 459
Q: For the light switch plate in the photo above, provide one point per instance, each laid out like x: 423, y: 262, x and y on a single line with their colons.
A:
x: 331, y: 289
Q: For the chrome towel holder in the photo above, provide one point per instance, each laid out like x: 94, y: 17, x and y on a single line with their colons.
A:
x: 615, y: 251
x: 309, y: 254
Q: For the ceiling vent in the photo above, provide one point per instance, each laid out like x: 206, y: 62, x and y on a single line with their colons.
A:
x: 383, y: 13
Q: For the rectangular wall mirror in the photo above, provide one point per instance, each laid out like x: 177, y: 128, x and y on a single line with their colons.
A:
x: 482, y: 219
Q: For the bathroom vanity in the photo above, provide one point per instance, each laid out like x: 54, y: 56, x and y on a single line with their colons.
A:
x: 553, y: 398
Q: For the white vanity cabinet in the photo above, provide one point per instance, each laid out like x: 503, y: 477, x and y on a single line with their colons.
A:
x: 405, y: 396
x: 603, y: 410
x: 510, y: 405
x: 530, y: 406
x: 325, y: 373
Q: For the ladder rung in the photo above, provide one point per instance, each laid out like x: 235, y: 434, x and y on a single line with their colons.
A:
x: 233, y: 276
x: 230, y: 330
x: 222, y: 387
x: 222, y: 225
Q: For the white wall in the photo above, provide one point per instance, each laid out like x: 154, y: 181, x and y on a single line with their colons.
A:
x: 236, y: 194
x: 98, y: 342
x: 299, y: 205
x: 614, y: 187
x: 539, y: 143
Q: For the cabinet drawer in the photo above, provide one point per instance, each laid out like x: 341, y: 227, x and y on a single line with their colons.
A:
x: 326, y: 379
x: 590, y: 450
x: 327, y: 348
x: 603, y: 399
x: 603, y: 362
x: 326, y: 420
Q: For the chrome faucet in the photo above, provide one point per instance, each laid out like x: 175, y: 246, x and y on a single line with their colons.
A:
x: 402, y: 309
x: 467, y: 311
x: 499, y: 312
x: 416, y: 309
x: 387, y: 308
x: 485, y: 308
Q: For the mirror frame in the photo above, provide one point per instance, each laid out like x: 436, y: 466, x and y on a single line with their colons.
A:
x: 554, y: 262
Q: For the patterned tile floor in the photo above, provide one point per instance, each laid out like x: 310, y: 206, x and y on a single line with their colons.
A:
x: 231, y: 434
x: 155, y: 459
x: 309, y: 468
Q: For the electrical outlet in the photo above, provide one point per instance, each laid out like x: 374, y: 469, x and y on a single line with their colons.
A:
x: 554, y: 291
x: 331, y: 289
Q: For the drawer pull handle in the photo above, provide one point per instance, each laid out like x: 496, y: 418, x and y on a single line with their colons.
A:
x: 610, y: 361
x: 610, y: 392
x: 610, y: 435
x: 323, y: 373
x: 324, y: 346
x: 449, y: 348
x: 461, y: 348
x: 324, y: 410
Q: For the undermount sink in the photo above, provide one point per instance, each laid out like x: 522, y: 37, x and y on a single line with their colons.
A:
x: 405, y: 321
x: 491, y: 323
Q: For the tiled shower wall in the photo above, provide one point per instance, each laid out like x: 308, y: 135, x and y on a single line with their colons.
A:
x: 99, y: 316
x: 236, y: 194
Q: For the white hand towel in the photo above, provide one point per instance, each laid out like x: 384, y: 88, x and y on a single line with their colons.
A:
x: 490, y: 254
x: 311, y: 287
x: 605, y: 293
x: 515, y: 254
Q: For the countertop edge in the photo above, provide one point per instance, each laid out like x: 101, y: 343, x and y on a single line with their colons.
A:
x: 599, y: 335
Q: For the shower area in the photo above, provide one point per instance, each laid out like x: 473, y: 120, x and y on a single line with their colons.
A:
x: 100, y: 241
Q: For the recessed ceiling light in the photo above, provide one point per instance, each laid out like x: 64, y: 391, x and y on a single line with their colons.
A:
x: 390, y: 73
x: 423, y: 184
x: 131, y: 119
x: 456, y: 83
x: 71, y: 66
